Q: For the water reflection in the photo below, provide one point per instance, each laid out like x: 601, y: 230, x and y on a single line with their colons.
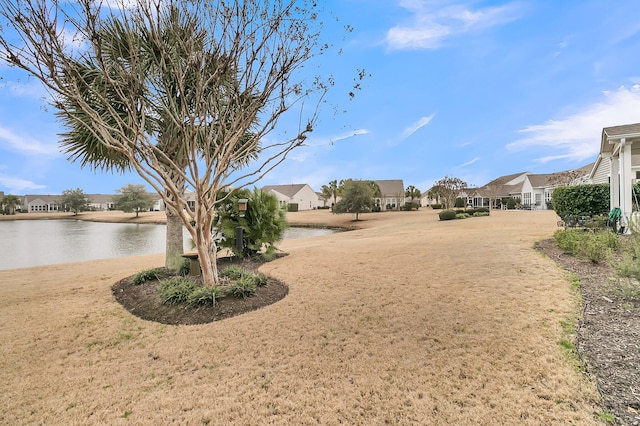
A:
x: 25, y: 243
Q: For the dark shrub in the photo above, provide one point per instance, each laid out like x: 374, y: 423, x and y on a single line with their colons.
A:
x: 436, y: 206
x: 586, y: 200
x: 447, y: 215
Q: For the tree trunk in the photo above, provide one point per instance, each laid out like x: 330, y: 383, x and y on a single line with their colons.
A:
x: 174, y: 244
x: 206, y: 252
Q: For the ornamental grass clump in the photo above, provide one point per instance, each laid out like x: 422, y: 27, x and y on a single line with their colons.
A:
x: 176, y: 290
x: 206, y: 296
x: 148, y: 275
x: 243, y: 287
x: 233, y: 272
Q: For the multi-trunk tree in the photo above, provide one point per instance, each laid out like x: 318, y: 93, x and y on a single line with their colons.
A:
x: 174, y: 88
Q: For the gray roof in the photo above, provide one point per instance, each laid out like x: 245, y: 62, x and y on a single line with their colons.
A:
x: 628, y: 130
x: 287, y: 190
x: 542, y: 180
x: 391, y: 187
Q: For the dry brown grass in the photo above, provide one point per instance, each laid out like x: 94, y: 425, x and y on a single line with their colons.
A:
x: 405, y: 321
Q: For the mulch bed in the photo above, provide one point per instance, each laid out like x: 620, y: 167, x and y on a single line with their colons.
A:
x: 143, y: 301
x: 608, y: 334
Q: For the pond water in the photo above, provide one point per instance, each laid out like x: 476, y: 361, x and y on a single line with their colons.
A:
x: 25, y: 243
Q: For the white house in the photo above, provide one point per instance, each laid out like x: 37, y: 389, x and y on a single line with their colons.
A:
x: 301, y: 194
x: 40, y: 203
x: 618, y: 164
x: 392, y: 194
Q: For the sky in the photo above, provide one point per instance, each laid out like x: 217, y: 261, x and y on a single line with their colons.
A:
x: 471, y: 89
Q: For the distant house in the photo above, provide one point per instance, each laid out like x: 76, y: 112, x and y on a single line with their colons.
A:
x: 301, y: 194
x: 392, y: 194
x: 40, y: 203
x: 101, y: 202
x: 533, y: 191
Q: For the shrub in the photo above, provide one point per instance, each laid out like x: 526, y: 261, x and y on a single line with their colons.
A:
x: 447, y: 215
x: 148, y: 275
x: 176, y: 290
x: 594, y: 246
x: 185, y: 267
x: 567, y: 239
x: 478, y: 214
x: 260, y: 279
x: 263, y: 223
x: 462, y: 215
x: 511, y: 203
x: 459, y: 202
x: 233, y: 272
x: 205, y: 295
x: 292, y: 207
x: 586, y: 200
x: 436, y: 206
x: 243, y: 287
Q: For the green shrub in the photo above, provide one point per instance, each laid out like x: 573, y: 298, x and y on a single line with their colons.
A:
x: 459, y: 202
x: 205, y: 295
x: 233, y: 272
x: 436, y: 206
x: 447, y: 215
x: 511, y: 203
x: 594, y: 246
x: 185, y: 267
x: 567, y: 240
x: 292, y: 207
x: 176, y: 290
x: 462, y: 215
x: 588, y: 200
x: 243, y: 287
x: 260, y: 279
x: 263, y: 223
x: 478, y: 214
x: 148, y: 275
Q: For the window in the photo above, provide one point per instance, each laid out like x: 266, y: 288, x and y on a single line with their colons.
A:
x: 538, y: 199
x: 526, y: 199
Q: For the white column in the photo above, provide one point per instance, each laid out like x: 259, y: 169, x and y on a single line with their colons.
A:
x: 625, y: 180
x: 614, y: 182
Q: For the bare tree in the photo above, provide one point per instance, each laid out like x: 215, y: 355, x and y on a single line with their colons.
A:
x: 449, y: 188
x: 93, y: 60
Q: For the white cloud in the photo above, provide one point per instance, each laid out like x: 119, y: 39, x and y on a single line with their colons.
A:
x: 17, y: 186
x: 433, y: 22
x: 577, y: 137
x: 26, y: 144
x: 348, y: 135
x: 31, y: 89
x: 417, y: 126
x: 468, y: 163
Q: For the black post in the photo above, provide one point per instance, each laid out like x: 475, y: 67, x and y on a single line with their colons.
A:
x: 239, y: 240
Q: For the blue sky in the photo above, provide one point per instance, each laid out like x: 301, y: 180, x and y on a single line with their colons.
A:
x: 472, y: 89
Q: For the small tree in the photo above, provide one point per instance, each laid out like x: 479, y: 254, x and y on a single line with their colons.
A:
x: 330, y: 191
x: 133, y: 198
x: 74, y: 200
x: 412, y: 193
x: 9, y: 203
x: 449, y: 188
x: 357, y: 197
